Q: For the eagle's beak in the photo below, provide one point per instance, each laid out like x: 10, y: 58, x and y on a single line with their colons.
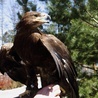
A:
x: 45, y: 18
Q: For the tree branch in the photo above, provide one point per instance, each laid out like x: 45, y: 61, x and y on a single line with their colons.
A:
x: 89, y: 67
x: 92, y: 17
x: 89, y: 23
x: 94, y: 67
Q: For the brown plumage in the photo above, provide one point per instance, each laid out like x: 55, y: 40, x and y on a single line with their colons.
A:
x: 44, y: 54
x: 11, y: 64
x: 15, y: 68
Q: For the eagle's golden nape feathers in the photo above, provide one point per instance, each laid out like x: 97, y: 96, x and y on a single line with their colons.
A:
x: 44, y: 54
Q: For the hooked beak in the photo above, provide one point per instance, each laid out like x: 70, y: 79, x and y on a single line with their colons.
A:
x: 44, y: 18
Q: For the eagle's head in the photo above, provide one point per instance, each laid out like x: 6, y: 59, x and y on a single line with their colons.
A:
x: 33, y: 19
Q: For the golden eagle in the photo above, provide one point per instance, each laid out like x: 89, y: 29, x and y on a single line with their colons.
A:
x: 43, y: 54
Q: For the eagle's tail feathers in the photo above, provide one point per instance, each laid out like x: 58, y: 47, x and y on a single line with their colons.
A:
x: 66, y: 73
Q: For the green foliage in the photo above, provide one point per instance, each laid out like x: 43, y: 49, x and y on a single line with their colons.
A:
x: 82, y: 42
x: 59, y: 11
x: 89, y: 87
x: 91, y: 5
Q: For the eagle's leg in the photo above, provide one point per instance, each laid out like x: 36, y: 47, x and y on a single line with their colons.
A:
x: 31, y: 83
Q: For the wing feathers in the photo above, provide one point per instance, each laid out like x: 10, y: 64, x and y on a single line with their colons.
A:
x: 67, y: 74
x: 63, y: 62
